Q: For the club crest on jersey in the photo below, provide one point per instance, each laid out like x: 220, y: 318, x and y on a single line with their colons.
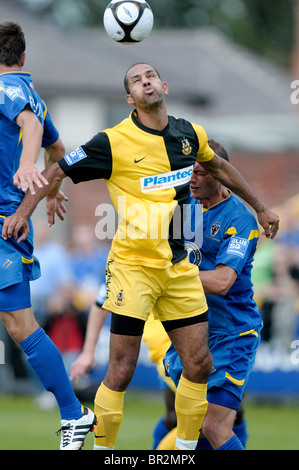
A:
x: 187, y: 149
x: 214, y: 229
x: 120, y: 298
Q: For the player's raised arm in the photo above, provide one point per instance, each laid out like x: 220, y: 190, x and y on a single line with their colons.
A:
x: 229, y: 176
x: 18, y: 222
x: 32, y: 132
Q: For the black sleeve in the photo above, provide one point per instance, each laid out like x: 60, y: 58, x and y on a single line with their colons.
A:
x: 90, y: 161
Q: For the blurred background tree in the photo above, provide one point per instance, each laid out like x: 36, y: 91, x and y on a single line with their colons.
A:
x: 265, y: 27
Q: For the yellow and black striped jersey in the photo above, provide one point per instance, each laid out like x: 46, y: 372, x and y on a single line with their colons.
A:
x: 147, y: 173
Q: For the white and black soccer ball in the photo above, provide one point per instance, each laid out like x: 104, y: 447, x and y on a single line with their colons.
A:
x: 128, y: 22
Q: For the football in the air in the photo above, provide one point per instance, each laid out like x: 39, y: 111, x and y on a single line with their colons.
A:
x: 128, y: 22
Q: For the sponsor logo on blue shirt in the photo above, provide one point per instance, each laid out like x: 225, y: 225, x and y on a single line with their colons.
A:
x: 237, y: 246
x: 14, y: 92
x: 75, y: 156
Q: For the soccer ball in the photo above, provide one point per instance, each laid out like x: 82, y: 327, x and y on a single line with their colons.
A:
x: 128, y: 22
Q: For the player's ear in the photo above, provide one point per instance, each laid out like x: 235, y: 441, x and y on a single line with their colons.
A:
x: 165, y: 88
x: 130, y: 100
x: 23, y: 59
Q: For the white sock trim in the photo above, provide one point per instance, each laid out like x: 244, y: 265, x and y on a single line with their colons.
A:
x: 184, y: 444
x: 96, y: 447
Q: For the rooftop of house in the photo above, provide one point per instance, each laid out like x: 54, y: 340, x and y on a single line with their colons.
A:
x: 207, y: 72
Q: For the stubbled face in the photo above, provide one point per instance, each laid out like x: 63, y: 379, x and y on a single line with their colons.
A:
x: 146, y: 87
x: 202, y: 185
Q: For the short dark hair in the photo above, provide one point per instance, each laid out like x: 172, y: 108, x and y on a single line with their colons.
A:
x: 219, y: 149
x: 12, y: 43
x: 126, y: 84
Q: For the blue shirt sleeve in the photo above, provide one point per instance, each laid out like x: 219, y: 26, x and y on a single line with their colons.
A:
x: 238, y: 244
x: 51, y: 134
x: 14, y: 102
x: 16, y: 96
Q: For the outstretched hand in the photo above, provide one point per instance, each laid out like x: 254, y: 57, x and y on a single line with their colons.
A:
x: 82, y: 366
x: 269, y: 221
x: 28, y: 174
x: 54, y: 205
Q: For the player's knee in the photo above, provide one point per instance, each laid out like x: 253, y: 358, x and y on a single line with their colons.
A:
x: 199, y: 366
x: 126, y: 373
x: 216, y: 430
x: 11, y: 326
x: 121, y: 375
x: 19, y: 326
x: 13, y: 331
x: 210, y: 428
x: 206, y: 364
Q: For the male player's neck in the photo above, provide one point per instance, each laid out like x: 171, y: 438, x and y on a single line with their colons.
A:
x: 5, y: 69
x: 13, y: 68
x: 157, y: 120
x: 215, y: 198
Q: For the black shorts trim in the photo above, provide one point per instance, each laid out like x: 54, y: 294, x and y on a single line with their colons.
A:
x: 173, y: 324
x: 124, y: 325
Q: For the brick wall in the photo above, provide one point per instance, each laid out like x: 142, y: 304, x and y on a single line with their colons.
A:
x: 274, y: 177
x: 83, y: 200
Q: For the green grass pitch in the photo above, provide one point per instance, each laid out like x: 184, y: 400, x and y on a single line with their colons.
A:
x: 24, y: 427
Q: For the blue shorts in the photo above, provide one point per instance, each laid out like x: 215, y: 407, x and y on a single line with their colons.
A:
x: 15, y: 297
x: 18, y: 266
x: 233, y: 360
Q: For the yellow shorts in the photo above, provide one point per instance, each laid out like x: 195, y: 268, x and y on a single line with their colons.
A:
x: 172, y: 293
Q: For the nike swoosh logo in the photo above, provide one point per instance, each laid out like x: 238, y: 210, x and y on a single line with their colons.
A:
x: 137, y: 161
x: 99, y: 436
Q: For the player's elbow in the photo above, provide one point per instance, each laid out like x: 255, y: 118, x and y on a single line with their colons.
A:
x: 224, y: 279
x: 223, y: 286
x: 56, y: 151
x: 60, y: 151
